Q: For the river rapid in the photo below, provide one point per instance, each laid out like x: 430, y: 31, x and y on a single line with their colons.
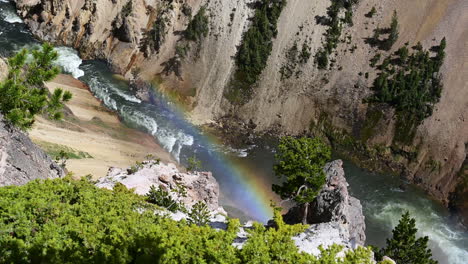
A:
x: 245, y: 174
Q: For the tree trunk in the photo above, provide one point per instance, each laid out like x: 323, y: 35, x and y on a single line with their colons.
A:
x: 306, y: 212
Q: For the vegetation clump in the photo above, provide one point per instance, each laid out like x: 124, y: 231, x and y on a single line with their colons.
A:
x: 392, y: 32
x: 67, y: 221
x: 255, y: 49
x: 194, y: 164
x: 294, y: 58
x: 410, y: 82
x: 198, y: 26
x: 163, y: 198
x: 371, y: 13
x: 199, y: 214
x: 23, y: 94
x: 300, y: 164
x: 333, y: 32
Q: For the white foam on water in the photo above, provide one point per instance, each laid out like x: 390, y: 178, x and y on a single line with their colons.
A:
x: 101, y: 91
x: 171, y: 140
x: 442, y: 237
x: 10, y: 16
x: 127, y: 97
x: 69, y: 61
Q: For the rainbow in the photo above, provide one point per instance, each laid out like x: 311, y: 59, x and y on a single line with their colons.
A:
x: 242, y: 186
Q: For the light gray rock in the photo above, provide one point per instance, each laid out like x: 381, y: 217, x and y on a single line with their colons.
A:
x: 21, y: 160
x: 336, y: 217
x: 200, y: 186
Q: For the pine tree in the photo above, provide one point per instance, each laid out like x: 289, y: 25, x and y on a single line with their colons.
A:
x: 300, y: 163
x: 23, y: 92
x: 199, y: 215
x: 404, y: 247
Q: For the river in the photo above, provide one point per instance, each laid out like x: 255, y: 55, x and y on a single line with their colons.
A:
x: 245, y: 174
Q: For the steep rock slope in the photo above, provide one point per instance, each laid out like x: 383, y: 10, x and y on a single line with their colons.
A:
x: 21, y: 160
x: 331, y: 100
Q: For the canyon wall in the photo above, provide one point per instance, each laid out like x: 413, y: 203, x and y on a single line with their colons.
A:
x: 314, y: 101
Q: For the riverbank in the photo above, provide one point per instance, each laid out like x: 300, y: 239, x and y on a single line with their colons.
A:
x: 92, y: 134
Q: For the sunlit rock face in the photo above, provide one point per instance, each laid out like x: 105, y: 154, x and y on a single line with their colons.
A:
x: 334, y: 215
x: 200, y: 186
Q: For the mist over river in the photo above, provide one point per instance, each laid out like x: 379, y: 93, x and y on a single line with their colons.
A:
x: 245, y: 174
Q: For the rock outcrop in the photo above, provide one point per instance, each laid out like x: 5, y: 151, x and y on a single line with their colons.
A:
x: 200, y: 186
x: 21, y: 160
x: 117, y: 32
x: 335, y: 216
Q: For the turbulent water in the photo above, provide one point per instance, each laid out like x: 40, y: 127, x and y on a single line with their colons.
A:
x: 384, y: 198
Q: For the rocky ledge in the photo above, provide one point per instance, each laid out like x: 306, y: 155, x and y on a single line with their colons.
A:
x: 334, y: 215
x: 200, y: 186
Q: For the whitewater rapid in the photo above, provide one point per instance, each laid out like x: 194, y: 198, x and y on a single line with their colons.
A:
x: 9, y: 15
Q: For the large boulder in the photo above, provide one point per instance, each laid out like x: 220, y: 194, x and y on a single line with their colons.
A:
x: 21, y: 160
x: 334, y: 215
x: 200, y: 186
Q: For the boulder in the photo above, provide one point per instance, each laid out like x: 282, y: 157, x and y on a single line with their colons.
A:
x: 200, y: 186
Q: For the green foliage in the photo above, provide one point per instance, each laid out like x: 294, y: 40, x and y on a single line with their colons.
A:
x: 161, y: 197
x: 371, y: 13
x: 300, y: 162
x: 67, y: 221
x: 55, y: 150
x: 194, y: 164
x: 333, y: 32
x: 198, y: 27
x: 165, y: 198
x: 23, y: 92
x: 294, y: 58
x: 127, y: 9
x: 392, y: 32
x: 375, y: 59
x: 256, y: 46
x: 199, y: 214
x: 135, y: 168
x: 62, y: 158
x: 404, y: 247
x: 412, y: 85
x: 155, y: 37
x: 321, y: 58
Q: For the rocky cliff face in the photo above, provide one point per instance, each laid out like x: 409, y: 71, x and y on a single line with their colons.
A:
x: 200, y: 186
x: 330, y: 100
x: 21, y: 160
x: 336, y: 216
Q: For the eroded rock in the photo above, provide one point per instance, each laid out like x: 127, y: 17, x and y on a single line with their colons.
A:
x: 200, y: 186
